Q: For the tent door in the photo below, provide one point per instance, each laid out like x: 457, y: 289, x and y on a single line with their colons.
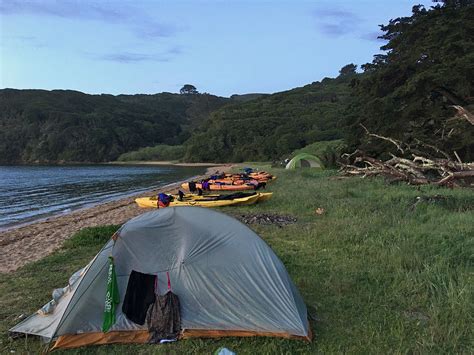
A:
x: 305, y: 163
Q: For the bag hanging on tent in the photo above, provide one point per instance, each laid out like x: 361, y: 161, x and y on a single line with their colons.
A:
x: 164, y: 317
x: 112, y: 298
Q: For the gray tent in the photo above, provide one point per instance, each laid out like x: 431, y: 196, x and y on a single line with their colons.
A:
x: 229, y: 281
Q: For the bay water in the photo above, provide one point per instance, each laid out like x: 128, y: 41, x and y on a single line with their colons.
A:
x: 29, y: 193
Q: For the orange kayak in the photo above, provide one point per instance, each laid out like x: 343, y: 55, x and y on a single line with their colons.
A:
x: 261, y: 177
x: 239, y: 181
x: 222, y: 187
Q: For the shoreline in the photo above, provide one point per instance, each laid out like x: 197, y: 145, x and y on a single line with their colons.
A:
x: 116, y: 162
x: 22, y: 244
x: 166, y: 162
x: 125, y: 196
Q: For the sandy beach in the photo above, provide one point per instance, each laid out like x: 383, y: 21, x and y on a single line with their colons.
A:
x: 24, y: 244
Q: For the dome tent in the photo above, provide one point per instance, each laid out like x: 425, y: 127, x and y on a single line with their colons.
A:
x: 304, y: 160
x: 229, y: 281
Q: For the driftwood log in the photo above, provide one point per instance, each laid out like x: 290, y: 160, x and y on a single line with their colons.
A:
x: 418, y: 165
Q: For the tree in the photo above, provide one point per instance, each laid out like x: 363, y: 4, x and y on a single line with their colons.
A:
x: 407, y: 92
x: 348, y: 69
x: 188, y: 89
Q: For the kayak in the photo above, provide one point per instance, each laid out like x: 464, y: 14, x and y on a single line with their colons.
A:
x: 222, y: 187
x: 262, y: 196
x: 236, y: 181
x: 265, y: 196
x: 260, y: 177
x: 152, y: 202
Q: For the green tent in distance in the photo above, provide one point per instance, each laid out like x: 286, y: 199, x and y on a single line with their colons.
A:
x: 304, y: 160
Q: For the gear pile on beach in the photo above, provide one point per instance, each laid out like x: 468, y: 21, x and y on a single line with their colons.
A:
x: 247, y: 180
x: 203, y: 195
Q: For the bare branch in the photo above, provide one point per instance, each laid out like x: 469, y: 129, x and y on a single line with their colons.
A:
x: 464, y: 113
x: 391, y: 140
x: 436, y: 149
x: 455, y: 175
x: 457, y: 157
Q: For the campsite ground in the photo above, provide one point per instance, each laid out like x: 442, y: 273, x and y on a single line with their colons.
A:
x: 379, y: 271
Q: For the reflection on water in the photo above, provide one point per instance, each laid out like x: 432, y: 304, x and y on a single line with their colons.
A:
x: 31, y: 192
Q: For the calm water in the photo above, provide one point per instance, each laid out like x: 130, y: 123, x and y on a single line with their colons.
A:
x: 28, y: 193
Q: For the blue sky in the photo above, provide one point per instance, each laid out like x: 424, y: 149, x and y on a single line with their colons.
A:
x: 221, y: 47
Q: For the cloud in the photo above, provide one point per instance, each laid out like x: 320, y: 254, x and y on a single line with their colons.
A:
x: 64, y: 9
x: 336, y: 22
x: 31, y: 41
x: 134, y: 57
x: 115, y: 13
x: 176, y: 50
x: 151, y: 29
x: 24, y: 38
x: 129, y: 57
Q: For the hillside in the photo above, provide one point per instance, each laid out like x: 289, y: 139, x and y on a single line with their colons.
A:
x: 271, y: 126
x: 409, y: 91
x: 246, y: 97
x: 64, y: 125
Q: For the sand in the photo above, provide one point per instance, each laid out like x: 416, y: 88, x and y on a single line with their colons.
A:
x: 22, y: 245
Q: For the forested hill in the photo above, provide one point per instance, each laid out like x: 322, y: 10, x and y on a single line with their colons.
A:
x: 409, y: 91
x: 63, y: 125
x: 272, y: 126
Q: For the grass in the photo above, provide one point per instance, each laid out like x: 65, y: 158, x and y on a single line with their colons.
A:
x: 377, y: 274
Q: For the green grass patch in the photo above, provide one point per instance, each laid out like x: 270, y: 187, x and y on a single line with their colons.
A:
x: 379, y: 272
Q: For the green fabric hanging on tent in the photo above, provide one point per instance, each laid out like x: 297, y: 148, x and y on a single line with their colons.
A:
x: 112, y: 297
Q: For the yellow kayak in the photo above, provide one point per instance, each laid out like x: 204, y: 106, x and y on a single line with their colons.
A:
x: 222, y: 187
x: 262, y: 196
x: 152, y: 202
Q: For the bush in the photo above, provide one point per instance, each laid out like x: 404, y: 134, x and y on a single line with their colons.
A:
x: 158, y: 152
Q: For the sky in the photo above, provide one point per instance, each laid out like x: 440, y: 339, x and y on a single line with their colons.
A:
x: 221, y: 47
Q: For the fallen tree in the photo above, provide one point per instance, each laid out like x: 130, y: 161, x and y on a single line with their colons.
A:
x: 418, y: 164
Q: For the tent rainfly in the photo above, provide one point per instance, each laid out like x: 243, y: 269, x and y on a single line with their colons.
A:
x: 304, y: 160
x: 228, y: 280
